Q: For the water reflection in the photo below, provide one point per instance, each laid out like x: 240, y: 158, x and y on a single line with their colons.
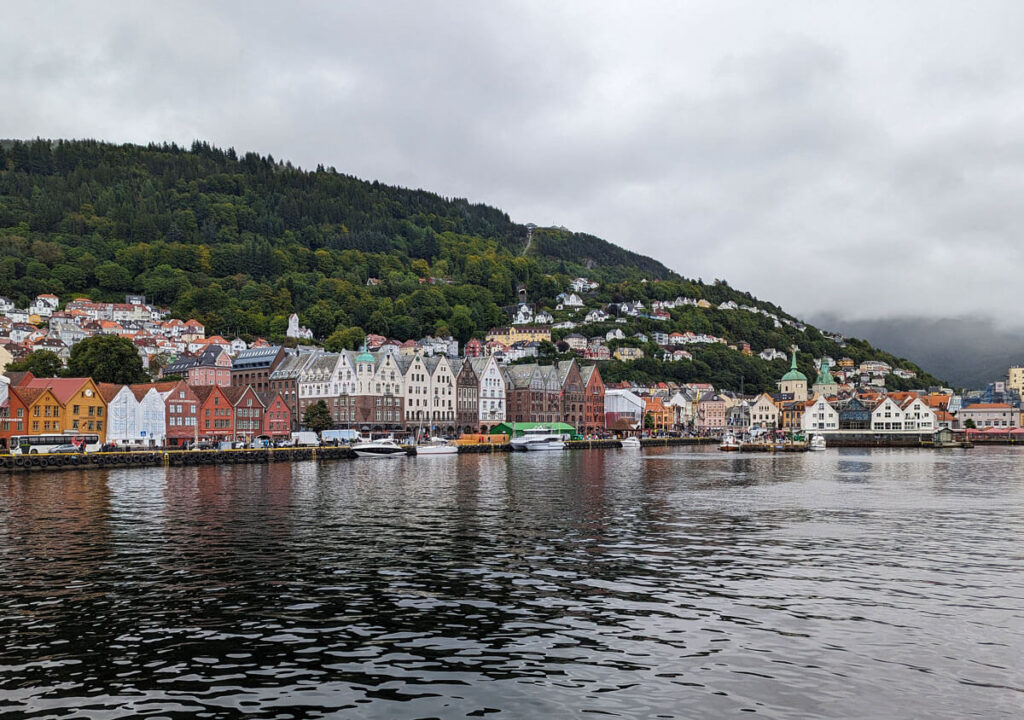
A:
x: 667, y: 583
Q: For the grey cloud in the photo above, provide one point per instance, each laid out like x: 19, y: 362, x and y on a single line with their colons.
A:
x: 860, y: 160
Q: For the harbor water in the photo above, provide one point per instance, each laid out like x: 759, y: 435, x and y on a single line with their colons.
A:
x: 663, y: 583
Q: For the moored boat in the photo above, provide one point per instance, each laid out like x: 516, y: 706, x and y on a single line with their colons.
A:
x: 436, y: 446
x: 817, y: 442
x: 379, y: 448
x: 630, y: 442
x: 538, y: 438
x: 729, y: 443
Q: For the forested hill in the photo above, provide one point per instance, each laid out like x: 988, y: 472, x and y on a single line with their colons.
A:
x: 241, y: 241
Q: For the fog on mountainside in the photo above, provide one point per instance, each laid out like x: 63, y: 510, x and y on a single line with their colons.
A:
x: 966, y: 351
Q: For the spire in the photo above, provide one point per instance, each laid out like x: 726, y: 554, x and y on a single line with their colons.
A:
x: 793, y: 364
x: 824, y: 376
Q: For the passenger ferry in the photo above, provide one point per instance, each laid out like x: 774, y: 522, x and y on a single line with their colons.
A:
x: 539, y: 438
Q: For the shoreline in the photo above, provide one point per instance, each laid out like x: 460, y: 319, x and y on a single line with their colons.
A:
x: 11, y: 464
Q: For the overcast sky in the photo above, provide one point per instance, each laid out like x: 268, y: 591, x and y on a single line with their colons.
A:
x: 858, y: 158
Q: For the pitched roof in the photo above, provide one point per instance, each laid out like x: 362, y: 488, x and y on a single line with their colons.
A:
x: 108, y: 391
x: 18, y: 377
x: 234, y: 393
x: 203, y: 392
x: 28, y: 395
x: 63, y: 388
x: 520, y: 375
x: 267, y: 397
x: 140, y: 389
x: 564, y: 368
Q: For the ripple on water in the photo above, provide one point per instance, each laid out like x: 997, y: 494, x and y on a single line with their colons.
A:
x: 668, y: 583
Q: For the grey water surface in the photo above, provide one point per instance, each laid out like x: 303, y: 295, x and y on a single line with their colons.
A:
x: 667, y: 583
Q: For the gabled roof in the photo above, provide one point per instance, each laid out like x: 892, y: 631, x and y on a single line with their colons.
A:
x: 19, y: 377
x: 267, y: 397
x: 520, y: 376
x: 564, y: 368
x: 63, y: 388
x: 108, y: 391
x: 28, y: 395
x: 234, y: 393
x: 587, y: 372
x: 140, y: 389
x: 203, y: 392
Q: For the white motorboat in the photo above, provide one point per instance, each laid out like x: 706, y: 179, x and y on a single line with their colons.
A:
x: 379, y: 448
x: 538, y: 438
x: 630, y: 442
x: 436, y: 446
x: 817, y: 442
x: 729, y: 443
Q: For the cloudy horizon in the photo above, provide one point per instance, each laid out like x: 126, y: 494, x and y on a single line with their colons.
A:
x: 861, y: 161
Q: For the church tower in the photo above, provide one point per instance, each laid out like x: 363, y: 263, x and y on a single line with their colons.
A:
x: 825, y: 384
x: 794, y: 382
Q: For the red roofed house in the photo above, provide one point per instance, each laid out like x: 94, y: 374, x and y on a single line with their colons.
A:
x: 990, y: 415
x: 84, y: 410
x: 276, y: 417
x: 249, y: 411
x: 216, y: 412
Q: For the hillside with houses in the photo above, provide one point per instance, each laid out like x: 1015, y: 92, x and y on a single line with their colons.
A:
x: 541, y: 367
x: 235, y: 271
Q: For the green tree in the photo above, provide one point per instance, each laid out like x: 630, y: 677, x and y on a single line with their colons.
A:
x: 969, y: 424
x: 317, y: 417
x: 41, y: 363
x: 350, y: 338
x: 112, y: 276
x: 107, y: 358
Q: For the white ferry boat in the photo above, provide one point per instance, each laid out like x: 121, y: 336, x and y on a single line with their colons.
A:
x: 538, y: 438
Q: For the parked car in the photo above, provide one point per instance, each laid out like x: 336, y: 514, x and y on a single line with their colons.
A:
x: 67, y: 448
